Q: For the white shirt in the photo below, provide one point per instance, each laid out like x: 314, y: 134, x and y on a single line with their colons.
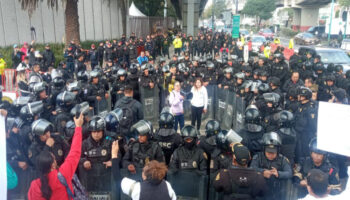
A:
x: 132, y: 188
x: 200, y: 97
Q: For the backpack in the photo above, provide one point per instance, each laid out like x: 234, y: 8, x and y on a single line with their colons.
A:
x: 127, y: 119
x: 79, y: 190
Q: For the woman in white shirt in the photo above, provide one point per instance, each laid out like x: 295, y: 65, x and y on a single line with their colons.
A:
x: 199, y: 102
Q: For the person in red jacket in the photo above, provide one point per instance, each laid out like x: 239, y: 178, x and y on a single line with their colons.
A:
x: 48, y: 186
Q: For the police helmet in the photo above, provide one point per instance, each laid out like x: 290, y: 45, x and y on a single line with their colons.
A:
x: 144, y: 67
x: 212, y: 128
x: 228, y: 70
x: 95, y: 74
x: 10, y: 123
x: 271, y: 142
x: 74, y: 86
x: 330, y: 68
x: 65, y: 99
x: 83, y: 76
x: 183, y: 68
x: 221, y: 140
x: 166, y: 69
x: 263, y: 87
x: 28, y: 111
x: 347, y: 74
x: 263, y: 73
x: 275, y: 81
x: 252, y: 115
x: 285, y: 119
x: 112, y: 119
x: 121, y: 72
x: 143, y: 128
x: 313, y: 147
x: 39, y: 87
x: 338, y: 68
x: 320, y: 67
x: 41, y: 126
x: 189, y: 132
x: 202, y: 60
x: 162, y: 60
x: 133, y: 68
x: 240, y: 75
x: 210, y: 65
x: 21, y: 101
x: 166, y: 120
x: 97, y: 123
x: 209, y: 57
x: 83, y: 108
x: 69, y: 129
x: 304, y: 91
x: 272, y: 97
x: 279, y: 56
x: 330, y: 77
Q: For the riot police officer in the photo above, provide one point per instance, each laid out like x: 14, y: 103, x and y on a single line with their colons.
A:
x: 253, y: 130
x: 305, y: 122
x: 166, y: 136
x: 118, y: 85
x: 216, y: 159
x: 189, y: 156
x: 96, y: 92
x: 270, y: 107
x: 318, y: 160
x: 326, y: 91
x: 279, y: 68
x: 239, y: 181
x: 273, y: 165
x: 239, y: 86
x: 146, y: 79
x: 40, y: 94
x: 44, y: 140
x: 133, y: 80
x: 95, y: 160
x: 228, y: 81
x: 65, y: 102
x: 143, y: 149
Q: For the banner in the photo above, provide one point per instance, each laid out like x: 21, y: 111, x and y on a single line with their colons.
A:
x: 332, y: 128
x: 3, y: 172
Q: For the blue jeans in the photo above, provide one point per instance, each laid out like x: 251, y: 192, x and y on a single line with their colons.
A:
x: 179, y: 119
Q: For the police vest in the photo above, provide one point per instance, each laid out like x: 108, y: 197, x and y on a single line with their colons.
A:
x: 141, y: 158
x: 267, y: 164
x: 188, y: 161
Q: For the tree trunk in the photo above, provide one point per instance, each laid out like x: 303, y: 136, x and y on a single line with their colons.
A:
x: 123, y: 4
x: 72, y: 22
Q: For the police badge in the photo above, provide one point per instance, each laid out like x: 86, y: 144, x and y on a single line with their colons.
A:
x: 104, y: 152
x: 194, y: 164
x: 60, y: 152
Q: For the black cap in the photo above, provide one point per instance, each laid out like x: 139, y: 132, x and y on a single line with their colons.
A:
x: 318, y: 181
x: 241, y: 153
x: 271, y: 148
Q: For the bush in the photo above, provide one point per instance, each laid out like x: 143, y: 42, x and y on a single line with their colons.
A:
x: 56, y: 48
x: 288, y: 32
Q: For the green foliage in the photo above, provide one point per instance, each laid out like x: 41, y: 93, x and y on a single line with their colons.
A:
x: 150, y: 7
x: 261, y: 8
x: 219, y: 7
x: 287, y: 32
x: 344, y: 3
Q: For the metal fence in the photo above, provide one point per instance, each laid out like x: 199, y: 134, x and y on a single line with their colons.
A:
x: 143, y: 26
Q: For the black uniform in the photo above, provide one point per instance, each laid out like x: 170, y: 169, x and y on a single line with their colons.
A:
x: 98, y: 177
x: 240, y: 183
x: 168, y: 140
x: 281, y: 163
x: 140, y: 154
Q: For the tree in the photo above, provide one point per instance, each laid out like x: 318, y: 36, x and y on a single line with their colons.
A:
x: 259, y: 8
x: 344, y: 3
x: 70, y: 11
x: 219, y: 7
x: 150, y: 7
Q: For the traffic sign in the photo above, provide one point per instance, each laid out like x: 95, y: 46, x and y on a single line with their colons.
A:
x: 236, y: 20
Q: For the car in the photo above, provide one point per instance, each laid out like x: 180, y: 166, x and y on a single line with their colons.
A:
x: 267, y: 33
x: 318, y: 31
x: 257, y: 41
x: 335, y: 56
x: 244, y: 32
x: 306, y: 39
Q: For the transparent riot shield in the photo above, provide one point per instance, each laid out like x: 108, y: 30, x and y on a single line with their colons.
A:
x: 210, y: 114
x: 101, y: 106
x: 189, y: 184
x: 150, y: 103
x: 97, y: 180
x: 220, y: 104
x: 226, y: 122
x: 238, y: 121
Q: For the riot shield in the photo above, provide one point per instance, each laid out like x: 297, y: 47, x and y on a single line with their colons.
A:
x: 226, y: 122
x: 96, y: 180
x: 211, y: 90
x: 101, y: 106
x: 220, y: 104
x: 238, y: 121
x: 188, y: 183
x: 150, y: 103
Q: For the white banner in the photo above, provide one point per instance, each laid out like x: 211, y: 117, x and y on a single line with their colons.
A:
x: 3, y: 168
x: 333, y: 128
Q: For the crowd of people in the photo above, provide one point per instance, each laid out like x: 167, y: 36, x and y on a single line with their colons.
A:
x: 84, y: 116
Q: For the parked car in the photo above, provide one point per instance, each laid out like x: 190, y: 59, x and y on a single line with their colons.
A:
x: 267, y: 33
x: 306, y: 39
x: 318, y: 31
x: 257, y: 41
x: 244, y: 32
x: 336, y: 56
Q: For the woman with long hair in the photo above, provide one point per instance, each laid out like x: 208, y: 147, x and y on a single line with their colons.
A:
x: 176, y: 102
x: 22, y: 81
x: 48, y: 186
x: 199, y: 102
x: 153, y: 186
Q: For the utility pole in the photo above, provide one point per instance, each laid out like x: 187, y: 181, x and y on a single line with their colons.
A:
x: 330, y: 22
x: 236, y: 7
x: 212, y: 15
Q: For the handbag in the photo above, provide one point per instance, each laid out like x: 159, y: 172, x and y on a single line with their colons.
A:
x: 12, y: 179
x: 79, y: 191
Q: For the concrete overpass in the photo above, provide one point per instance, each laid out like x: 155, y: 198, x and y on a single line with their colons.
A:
x: 305, y: 12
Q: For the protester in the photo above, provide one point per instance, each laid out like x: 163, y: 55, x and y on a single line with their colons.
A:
x: 199, y: 102
x: 176, y: 103
x: 49, y: 186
